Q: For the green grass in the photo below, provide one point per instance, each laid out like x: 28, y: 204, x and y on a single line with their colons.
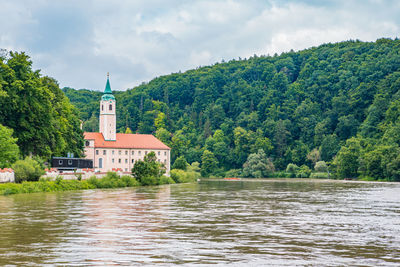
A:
x: 111, y: 180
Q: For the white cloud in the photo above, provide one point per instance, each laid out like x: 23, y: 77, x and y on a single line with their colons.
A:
x: 78, y: 42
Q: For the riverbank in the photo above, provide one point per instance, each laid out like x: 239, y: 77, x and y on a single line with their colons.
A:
x: 305, y: 180
x: 111, y: 180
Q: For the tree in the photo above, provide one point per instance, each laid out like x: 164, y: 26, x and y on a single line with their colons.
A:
x: 180, y: 163
x: 292, y: 168
x: 91, y: 125
x: 209, y: 163
x: 9, y: 150
x: 347, y: 159
x: 320, y: 166
x: 329, y: 147
x: 44, y: 121
x: 128, y: 130
x: 149, y: 167
x: 314, y: 156
x: 258, y: 165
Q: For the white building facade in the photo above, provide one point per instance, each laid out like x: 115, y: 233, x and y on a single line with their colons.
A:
x: 112, y: 151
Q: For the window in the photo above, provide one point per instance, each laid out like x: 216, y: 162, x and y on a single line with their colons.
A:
x: 126, y: 169
x: 126, y: 160
x: 112, y: 160
x: 158, y: 160
x: 126, y: 152
x: 87, y: 143
x: 165, y: 161
x: 133, y: 161
x: 102, y: 107
x: 133, y: 152
x: 100, y: 163
x: 119, y: 152
x: 145, y: 152
x: 70, y: 162
x: 113, y: 152
x: 110, y: 106
x: 140, y: 152
x: 60, y: 162
x: 165, y: 153
x: 119, y: 160
x: 104, y: 152
x: 97, y: 152
x: 159, y: 153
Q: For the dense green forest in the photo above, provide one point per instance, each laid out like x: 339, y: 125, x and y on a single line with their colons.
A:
x: 36, y: 118
x: 338, y: 103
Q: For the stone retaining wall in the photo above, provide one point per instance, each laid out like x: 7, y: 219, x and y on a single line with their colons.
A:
x: 84, y: 173
x: 7, y: 175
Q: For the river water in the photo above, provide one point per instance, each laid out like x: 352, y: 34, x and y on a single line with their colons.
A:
x: 251, y: 223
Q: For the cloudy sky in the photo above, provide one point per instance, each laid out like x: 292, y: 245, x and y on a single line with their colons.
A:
x: 78, y: 42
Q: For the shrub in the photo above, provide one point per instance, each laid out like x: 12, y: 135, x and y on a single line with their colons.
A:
x: 292, y: 168
x: 27, y: 170
x: 180, y: 176
x: 165, y: 180
x: 129, y: 181
x: 233, y: 173
x: 149, y: 180
x: 283, y: 174
x: 321, y: 166
x: 303, y: 172
x: 324, y: 175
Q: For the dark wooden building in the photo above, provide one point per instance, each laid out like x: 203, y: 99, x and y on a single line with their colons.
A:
x: 71, y: 164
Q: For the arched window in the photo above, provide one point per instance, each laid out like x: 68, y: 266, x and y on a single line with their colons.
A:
x: 87, y: 143
x: 110, y: 107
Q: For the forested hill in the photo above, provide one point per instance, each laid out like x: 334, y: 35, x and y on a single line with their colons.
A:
x: 338, y: 99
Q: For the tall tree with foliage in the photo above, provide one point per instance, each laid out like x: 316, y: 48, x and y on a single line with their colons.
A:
x: 43, y: 120
x: 9, y: 150
x: 258, y: 165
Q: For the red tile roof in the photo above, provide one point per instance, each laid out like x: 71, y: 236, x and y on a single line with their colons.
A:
x: 138, y: 141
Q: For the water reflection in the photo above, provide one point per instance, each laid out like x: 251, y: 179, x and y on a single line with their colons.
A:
x: 215, y: 222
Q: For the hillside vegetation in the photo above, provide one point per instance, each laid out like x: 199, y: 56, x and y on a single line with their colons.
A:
x: 338, y: 103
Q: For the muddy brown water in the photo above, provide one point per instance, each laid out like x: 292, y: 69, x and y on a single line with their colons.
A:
x: 252, y: 223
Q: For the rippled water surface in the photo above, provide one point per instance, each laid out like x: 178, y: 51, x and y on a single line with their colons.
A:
x: 281, y: 222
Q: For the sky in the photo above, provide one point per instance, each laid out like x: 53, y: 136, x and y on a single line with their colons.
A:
x: 78, y: 41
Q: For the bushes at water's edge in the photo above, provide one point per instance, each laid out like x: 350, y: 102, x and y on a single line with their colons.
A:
x: 111, y: 180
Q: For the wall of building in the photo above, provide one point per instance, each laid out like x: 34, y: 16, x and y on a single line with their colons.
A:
x: 7, y: 175
x: 124, y: 158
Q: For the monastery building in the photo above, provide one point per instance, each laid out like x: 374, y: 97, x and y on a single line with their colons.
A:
x: 110, y: 150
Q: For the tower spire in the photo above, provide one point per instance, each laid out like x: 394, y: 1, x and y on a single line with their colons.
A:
x: 107, y: 91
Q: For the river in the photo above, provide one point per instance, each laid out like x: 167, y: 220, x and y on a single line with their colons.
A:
x: 274, y: 222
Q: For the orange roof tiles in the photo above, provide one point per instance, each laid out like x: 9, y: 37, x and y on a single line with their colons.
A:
x: 138, y: 141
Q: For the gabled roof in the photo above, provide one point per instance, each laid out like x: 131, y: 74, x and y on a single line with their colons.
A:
x: 137, y: 141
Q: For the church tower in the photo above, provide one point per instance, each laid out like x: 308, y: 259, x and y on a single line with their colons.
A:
x: 107, y: 122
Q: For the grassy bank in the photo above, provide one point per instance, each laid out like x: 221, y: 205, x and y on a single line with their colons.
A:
x: 111, y: 180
